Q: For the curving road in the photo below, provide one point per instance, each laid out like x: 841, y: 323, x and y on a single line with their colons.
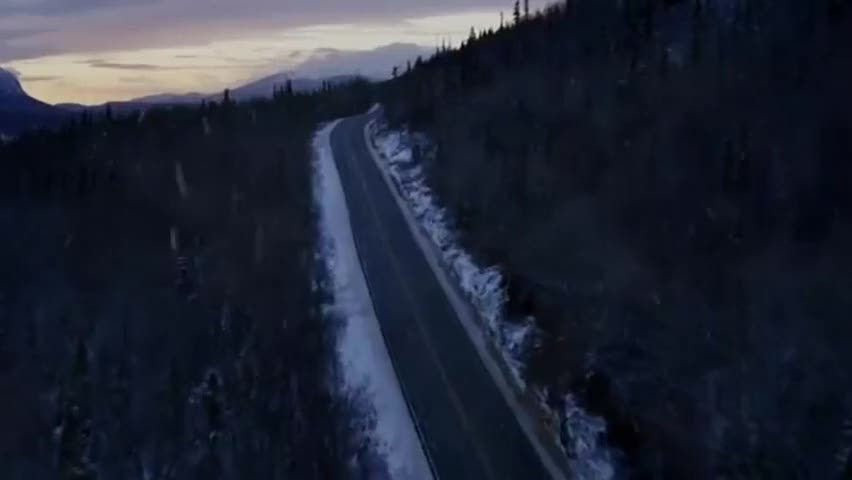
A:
x: 466, y: 426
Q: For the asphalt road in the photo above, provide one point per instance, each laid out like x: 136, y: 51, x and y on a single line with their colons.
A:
x: 466, y: 426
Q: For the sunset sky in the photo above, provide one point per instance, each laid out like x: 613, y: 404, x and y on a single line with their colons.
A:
x: 90, y: 51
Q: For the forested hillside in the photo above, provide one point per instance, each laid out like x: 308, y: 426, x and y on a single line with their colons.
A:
x: 157, y: 316
x: 667, y: 186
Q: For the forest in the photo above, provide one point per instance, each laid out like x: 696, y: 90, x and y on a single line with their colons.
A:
x: 665, y: 184
x: 157, y: 314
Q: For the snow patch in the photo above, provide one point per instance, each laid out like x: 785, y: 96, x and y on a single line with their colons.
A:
x: 581, y: 435
x: 361, y: 349
x: 483, y: 286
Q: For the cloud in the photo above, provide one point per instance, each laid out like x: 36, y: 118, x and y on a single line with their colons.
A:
x: 39, y: 78
x: 124, y: 66
x: 72, y: 26
x: 227, y: 63
x: 98, y: 50
x: 377, y: 63
x: 9, y: 34
x: 134, y: 80
x: 60, y: 7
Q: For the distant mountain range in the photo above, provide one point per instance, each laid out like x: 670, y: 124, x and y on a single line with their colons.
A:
x: 257, y: 89
x: 19, y: 111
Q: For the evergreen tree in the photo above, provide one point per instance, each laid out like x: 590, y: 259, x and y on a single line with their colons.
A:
x: 213, y: 403
x: 516, y: 12
x: 697, y: 32
x: 75, y: 436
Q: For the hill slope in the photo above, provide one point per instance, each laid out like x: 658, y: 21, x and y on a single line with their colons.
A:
x: 150, y: 269
x: 666, y: 185
x: 19, y: 111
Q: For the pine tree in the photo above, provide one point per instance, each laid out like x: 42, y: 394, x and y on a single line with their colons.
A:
x: 175, y: 400
x: 75, y: 421
x: 728, y: 167
x: 516, y: 12
x: 526, y: 9
x: 697, y: 32
x: 213, y: 403
x: 288, y: 89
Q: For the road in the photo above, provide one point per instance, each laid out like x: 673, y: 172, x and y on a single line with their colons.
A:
x: 465, y: 424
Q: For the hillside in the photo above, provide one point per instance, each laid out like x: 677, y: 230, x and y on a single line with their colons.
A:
x: 19, y: 111
x: 157, y: 315
x: 665, y: 184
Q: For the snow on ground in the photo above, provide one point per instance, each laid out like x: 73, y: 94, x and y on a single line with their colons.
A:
x: 482, y: 285
x: 581, y: 434
x: 361, y: 348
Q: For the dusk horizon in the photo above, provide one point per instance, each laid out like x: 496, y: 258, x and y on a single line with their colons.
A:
x: 92, y: 51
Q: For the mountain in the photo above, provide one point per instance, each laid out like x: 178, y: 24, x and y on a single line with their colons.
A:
x: 19, y: 111
x: 257, y: 89
x: 263, y: 88
x: 324, y: 66
x: 665, y: 185
x: 9, y: 84
x: 171, y: 99
x: 375, y: 64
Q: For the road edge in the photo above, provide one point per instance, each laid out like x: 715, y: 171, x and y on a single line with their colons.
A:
x: 331, y: 127
x: 554, y: 462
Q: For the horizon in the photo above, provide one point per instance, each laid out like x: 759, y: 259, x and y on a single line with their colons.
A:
x: 219, y: 54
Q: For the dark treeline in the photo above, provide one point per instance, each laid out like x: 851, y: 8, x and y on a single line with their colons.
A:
x: 157, y: 319
x: 667, y: 185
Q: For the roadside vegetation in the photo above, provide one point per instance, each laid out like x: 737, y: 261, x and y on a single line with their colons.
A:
x: 157, y: 316
x: 666, y: 186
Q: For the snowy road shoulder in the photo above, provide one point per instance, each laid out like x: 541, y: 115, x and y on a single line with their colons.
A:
x: 501, y: 344
x: 362, y: 353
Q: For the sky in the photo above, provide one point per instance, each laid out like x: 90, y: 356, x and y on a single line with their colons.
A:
x: 91, y: 51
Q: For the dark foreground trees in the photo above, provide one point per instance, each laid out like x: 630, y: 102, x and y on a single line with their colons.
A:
x: 667, y: 185
x: 156, y: 312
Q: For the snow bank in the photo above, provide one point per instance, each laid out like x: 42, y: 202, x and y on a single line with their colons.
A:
x: 364, y: 358
x: 580, y: 434
x: 483, y: 286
